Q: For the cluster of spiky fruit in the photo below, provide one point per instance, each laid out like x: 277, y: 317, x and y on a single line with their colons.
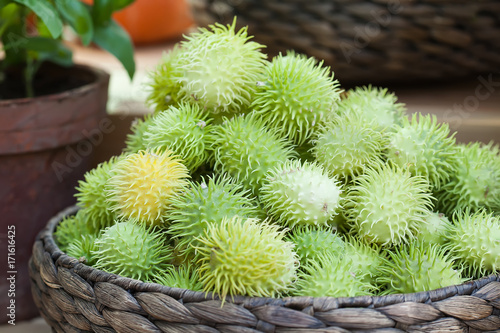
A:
x: 254, y: 177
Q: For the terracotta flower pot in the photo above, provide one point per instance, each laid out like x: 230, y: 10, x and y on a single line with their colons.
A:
x: 150, y: 21
x: 46, y: 144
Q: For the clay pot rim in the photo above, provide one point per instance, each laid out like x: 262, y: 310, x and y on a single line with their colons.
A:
x: 99, y: 74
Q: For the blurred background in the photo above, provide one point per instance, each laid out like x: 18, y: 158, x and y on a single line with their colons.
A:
x: 437, y: 56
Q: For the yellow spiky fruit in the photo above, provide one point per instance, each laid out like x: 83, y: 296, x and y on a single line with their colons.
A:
x: 144, y: 184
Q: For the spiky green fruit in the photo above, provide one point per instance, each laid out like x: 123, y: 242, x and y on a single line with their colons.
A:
x: 418, y: 267
x: 295, y: 94
x: 134, y: 141
x: 245, y: 257
x: 300, y: 193
x: 348, y: 143
x: 366, y: 258
x: 330, y: 276
x: 129, y: 249
x: 221, y: 67
x: 387, y: 205
x: 435, y: 230
x: 375, y: 104
x: 310, y: 242
x: 143, y: 185
x: 245, y: 149
x: 203, y: 203
x: 184, y: 277
x: 183, y: 129
x: 475, y: 183
x: 83, y: 249
x: 91, y: 195
x: 426, y: 147
x: 163, y: 84
x: 72, y: 227
x: 475, y: 239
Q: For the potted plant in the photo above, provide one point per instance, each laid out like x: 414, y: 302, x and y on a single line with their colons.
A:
x: 51, y: 117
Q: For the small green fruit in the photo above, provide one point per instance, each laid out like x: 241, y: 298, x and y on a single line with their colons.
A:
x: 183, y: 129
x: 311, y: 242
x: 83, y: 249
x: 331, y: 277
x: 475, y: 239
x: 347, y: 144
x: 203, y: 203
x: 91, y: 194
x: 71, y: 228
x: 135, y: 139
x: 220, y: 68
x: 374, y: 104
x: 245, y: 149
x: 245, y: 257
x: 300, y: 193
x: 418, y: 267
x: 129, y: 249
x: 366, y: 258
x: 475, y: 183
x: 143, y: 185
x: 164, y: 85
x: 387, y: 205
x: 295, y: 95
x: 184, y: 277
x: 435, y: 230
x: 426, y: 147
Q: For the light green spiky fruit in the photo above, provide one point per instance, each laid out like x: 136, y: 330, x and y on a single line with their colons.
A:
x: 134, y: 141
x: 310, y: 242
x: 330, y: 276
x: 221, y: 67
x: 418, y: 267
x: 435, y: 229
x: 143, y: 185
x: 387, y: 205
x: 366, y: 258
x: 245, y: 149
x: 203, y: 203
x: 375, y: 104
x: 163, y: 84
x: 475, y: 183
x: 426, y: 147
x: 300, y: 193
x: 72, y: 228
x: 475, y: 239
x: 91, y: 195
x: 348, y: 143
x: 184, y: 277
x: 83, y: 249
x: 295, y: 94
x: 183, y: 129
x: 129, y: 249
x: 241, y: 256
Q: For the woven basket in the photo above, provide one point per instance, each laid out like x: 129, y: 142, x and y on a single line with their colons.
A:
x: 373, y: 41
x: 73, y: 297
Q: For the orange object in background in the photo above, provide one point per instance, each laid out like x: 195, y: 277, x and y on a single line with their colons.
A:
x: 150, y: 21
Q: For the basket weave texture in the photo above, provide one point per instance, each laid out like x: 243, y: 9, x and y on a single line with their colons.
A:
x: 73, y: 297
x: 372, y: 41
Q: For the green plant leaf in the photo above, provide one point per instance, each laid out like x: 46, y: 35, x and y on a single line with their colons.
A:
x: 49, y: 49
x: 47, y: 13
x: 78, y: 17
x: 116, y: 41
x: 101, y: 12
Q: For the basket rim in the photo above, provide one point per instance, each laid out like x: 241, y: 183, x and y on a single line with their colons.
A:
x: 60, y: 258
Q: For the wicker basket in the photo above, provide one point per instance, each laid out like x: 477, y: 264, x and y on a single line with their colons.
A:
x: 73, y: 297
x: 373, y: 41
